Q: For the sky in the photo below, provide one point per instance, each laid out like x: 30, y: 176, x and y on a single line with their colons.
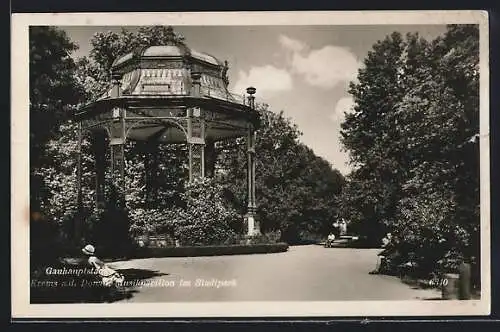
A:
x: 302, y: 70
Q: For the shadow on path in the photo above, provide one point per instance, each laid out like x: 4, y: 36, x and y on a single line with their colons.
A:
x: 86, y: 288
x: 132, y: 276
x: 140, y: 274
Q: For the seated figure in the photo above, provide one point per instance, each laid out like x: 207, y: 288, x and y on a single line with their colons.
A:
x: 109, y: 276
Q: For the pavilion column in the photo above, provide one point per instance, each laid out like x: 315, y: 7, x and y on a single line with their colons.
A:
x: 196, y: 134
x: 99, y: 152
x: 196, y: 142
x: 117, y: 145
x: 151, y: 164
x: 79, y: 219
x: 250, y: 217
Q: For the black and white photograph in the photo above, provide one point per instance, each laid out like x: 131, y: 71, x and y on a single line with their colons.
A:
x: 250, y: 164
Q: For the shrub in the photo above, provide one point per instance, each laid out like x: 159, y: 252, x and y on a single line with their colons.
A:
x: 266, y: 238
x: 145, y: 221
x: 155, y: 241
x: 204, y: 217
x: 306, y: 237
x: 428, y: 234
x: 207, y: 219
x: 192, y: 251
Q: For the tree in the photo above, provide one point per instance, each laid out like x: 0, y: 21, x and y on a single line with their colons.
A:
x: 53, y: 90
x: 296, y: 190
x: 60, y: 176
x: 415, y: 147
x: 373, y: 142
x: 54, y: 94
x: 442, y: 189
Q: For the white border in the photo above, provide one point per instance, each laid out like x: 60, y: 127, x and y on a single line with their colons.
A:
x: 21, y: 308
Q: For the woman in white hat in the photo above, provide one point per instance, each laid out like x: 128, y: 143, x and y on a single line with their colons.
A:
x: 109, y: 276
x: 89, y: 250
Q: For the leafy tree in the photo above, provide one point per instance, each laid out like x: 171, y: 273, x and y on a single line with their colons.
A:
x: 296, y: 190
x: 442, y: 189
x: 415, y: 147
x: 370, y: 136
x: 59, y: 178
x: 54, y: 94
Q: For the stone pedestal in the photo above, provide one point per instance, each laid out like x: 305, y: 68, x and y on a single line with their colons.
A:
x: 252, y: 224
x: 464, y: 281
x: 449, y: 290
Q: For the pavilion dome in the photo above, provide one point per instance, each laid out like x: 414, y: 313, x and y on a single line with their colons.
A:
x: 173, y: 47
x: 167, y: 68
x: 168, y: 51
x: 206, y: 58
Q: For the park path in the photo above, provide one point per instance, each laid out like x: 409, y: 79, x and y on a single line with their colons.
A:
x: 304, y: 273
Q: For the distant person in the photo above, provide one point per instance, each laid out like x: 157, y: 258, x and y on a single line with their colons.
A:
x: 343, y: 227
x: 386, y: 240
x: 330, y: 240
x: 382, y: 255
x: 109, y: 276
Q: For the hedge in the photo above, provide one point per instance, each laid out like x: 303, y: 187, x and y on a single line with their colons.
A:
x: 193, y: 251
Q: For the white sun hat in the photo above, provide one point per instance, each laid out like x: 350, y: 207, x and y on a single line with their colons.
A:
x: 89, y: 249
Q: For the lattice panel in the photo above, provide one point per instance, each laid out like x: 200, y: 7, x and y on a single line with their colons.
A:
x: 117, y: 129
x: 151, y: 163
x: 118, y: 173
x: 99, y: 148
x: 196, y: 128
x: 196, y: 155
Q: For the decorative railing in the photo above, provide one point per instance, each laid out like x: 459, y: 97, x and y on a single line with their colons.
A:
x: 224, y: 95
x: 220, y: 94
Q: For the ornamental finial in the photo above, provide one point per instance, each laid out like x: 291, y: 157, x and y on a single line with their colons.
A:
x: 224, y: 71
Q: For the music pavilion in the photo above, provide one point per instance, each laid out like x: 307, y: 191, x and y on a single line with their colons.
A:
x: 168, y: 94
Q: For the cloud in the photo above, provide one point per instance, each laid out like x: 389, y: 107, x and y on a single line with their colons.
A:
x: 266, y: 79
x: 325, y: 67
x: 346, y: 105
x: 291, y: 44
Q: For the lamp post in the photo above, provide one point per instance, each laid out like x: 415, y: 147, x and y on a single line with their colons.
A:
x: 252, y: 223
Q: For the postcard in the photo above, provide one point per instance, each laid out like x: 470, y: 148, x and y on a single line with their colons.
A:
x: 250, y: 164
